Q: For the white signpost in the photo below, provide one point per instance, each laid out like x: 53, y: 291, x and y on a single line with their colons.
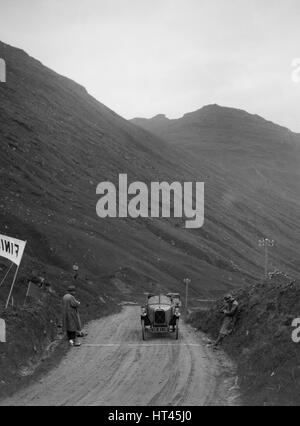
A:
x: 2, y: 71
x: 2, y: 331
x: 186, y: 281
x: 13, y: 250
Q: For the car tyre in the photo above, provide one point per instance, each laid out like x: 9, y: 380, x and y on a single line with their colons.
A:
x: 177, y: 330
x: 143, y: 330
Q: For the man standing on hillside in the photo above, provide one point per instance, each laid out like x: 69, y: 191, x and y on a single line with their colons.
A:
x: 230, y: 311
x: 71, y: 318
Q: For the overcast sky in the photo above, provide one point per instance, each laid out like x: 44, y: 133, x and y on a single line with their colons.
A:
x: 144, y: 57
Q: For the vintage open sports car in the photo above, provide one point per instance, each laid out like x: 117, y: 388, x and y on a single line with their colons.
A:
x: 161, y: 314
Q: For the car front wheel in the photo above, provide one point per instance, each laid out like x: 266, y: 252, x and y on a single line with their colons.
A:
x: 143, y: 330
x: 177, y: 330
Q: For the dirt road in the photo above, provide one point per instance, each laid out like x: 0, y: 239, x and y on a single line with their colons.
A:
x: 115, y: 367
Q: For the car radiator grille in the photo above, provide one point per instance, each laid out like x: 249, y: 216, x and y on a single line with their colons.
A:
x: 160, y: 317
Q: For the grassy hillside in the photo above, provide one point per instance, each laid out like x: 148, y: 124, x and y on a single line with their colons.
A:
x: 58, y: 143
x: 268, y: 359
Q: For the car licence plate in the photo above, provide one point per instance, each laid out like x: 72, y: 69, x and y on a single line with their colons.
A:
x: 160, y: 329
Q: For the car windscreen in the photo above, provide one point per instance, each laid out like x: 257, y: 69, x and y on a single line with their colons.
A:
x: 163, y: 300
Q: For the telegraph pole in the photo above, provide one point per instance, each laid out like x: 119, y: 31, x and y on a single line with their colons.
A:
x: 266, y: 243
x: 186, y: 281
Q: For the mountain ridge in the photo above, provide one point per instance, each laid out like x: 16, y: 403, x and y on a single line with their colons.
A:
x: 210, y: 109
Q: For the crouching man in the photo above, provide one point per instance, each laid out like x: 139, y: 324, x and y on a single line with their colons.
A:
x: 230, y: 311
x: 71, y: 318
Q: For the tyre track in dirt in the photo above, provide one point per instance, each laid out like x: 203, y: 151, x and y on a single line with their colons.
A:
x: 115, y: 367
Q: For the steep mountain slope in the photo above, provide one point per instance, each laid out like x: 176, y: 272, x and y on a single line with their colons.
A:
x: 57, y: 144
x: 258, y: 163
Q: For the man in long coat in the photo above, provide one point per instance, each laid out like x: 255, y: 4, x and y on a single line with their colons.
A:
x: 230, y: 312
x: 71, y: 318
